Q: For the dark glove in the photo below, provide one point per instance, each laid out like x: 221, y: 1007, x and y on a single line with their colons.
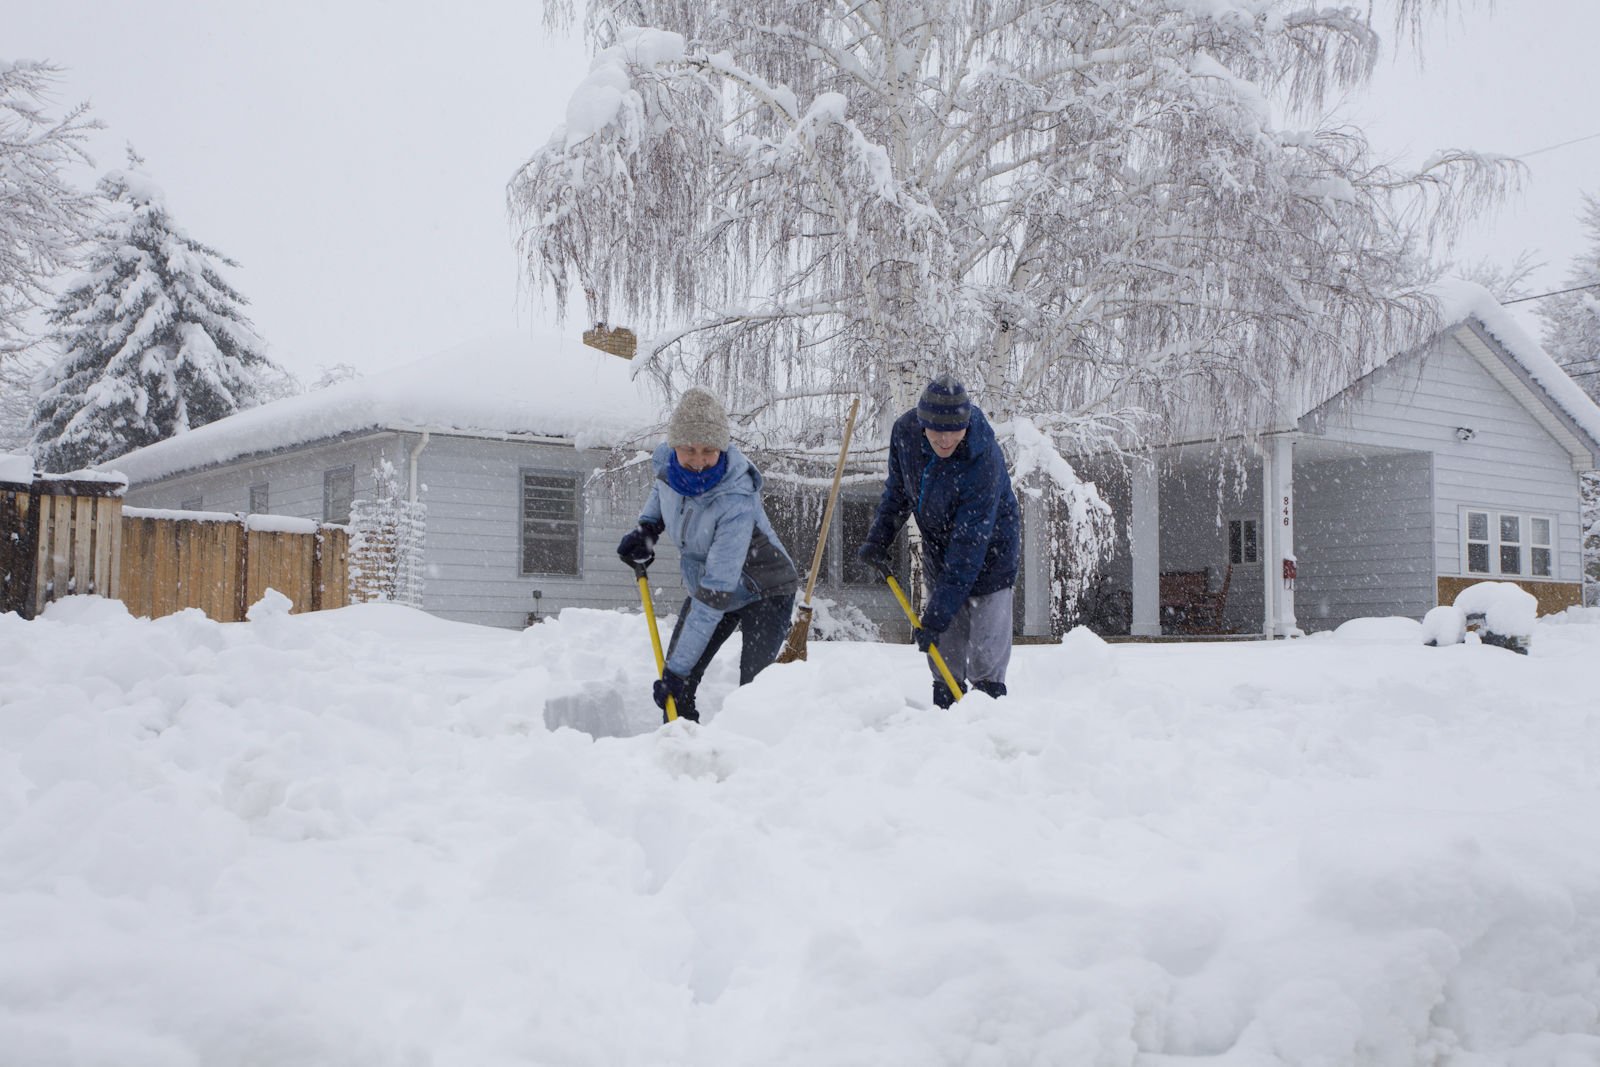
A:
x: 638, y: 546
x: 925, y: 638
x: 676, y: 687
x: 875, y: 556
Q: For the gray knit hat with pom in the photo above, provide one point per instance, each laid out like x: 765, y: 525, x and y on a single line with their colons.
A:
x: 699, y: 420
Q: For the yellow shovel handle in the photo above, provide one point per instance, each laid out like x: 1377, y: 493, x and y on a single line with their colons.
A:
x: 933, y: 650
x: 655, y: 639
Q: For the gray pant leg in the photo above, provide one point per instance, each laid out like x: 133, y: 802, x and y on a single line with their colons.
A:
x: 977, y: 646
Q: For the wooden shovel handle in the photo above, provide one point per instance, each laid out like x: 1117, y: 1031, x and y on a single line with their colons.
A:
x: 833, y: 496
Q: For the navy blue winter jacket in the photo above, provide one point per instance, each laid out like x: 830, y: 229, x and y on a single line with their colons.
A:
x: 965, y: 510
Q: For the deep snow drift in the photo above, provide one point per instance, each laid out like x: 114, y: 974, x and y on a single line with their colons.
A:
x: 351, y: 839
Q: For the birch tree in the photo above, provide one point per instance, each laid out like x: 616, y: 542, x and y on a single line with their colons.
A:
x: 153, y: 340
x: 1083, y: 207
x: 43, y: 219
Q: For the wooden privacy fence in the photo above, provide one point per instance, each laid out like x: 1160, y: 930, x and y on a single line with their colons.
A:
x: 60, y: 536
x: 222, y: 564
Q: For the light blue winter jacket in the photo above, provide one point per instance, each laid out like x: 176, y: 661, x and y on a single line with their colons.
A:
x: 726, y: 546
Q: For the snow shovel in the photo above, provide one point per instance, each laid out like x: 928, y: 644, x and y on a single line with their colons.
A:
x: 643, y: 573
x: 933, y: 650
x: 795, y: 646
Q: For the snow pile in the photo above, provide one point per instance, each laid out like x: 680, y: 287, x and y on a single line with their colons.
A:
x: 17, y: 470
x: 1507, y: 610
x: 350, y: 838
x: 1444, y: 625
x: 495, y: 387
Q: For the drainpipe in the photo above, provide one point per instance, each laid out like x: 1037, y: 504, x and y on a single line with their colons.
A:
x: 422, y: 442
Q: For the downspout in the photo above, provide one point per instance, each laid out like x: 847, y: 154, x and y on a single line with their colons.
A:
x: 422, y: 442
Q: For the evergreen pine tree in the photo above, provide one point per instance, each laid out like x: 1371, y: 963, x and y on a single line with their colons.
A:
x: 1572, y: 320
x: 1572, y: 336
x: 153, y: 341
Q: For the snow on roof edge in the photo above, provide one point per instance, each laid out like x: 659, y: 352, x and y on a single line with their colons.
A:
x: 1461, y: 300
x: 504, y: 387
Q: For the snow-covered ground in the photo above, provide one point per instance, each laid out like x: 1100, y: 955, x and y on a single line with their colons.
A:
x: 352, y: 839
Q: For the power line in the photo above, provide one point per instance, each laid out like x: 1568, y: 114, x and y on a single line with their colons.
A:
x: 1558, y: 292
x: 1553, y: 147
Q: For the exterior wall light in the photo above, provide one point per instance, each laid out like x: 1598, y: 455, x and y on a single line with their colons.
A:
x: 1465, y: 433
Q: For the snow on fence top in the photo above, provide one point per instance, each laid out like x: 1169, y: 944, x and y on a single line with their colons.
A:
x: 491, y: 387
x: 17, y: 470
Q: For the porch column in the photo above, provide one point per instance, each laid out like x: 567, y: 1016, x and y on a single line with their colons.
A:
x: 1283, y: 555
x: 1036, y: 592
x: 1270, y: 567
x: 1144, y: 548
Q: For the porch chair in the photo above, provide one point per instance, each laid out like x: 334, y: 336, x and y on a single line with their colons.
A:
x: 1206, y: 607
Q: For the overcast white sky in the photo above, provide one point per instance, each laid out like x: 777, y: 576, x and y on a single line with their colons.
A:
x: 352, y: 155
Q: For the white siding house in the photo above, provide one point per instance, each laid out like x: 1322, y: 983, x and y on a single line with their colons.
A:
x: 501, y: 441
x: 1454, y: 463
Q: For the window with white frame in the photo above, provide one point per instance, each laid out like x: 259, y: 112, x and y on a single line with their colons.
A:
x: 1508, y: 543
x: 1244, y: 541
x: 258, y: 499
x: 550, y: 523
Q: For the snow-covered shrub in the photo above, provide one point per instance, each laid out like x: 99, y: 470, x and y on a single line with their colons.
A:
x: 1444, y: 625
x: 833, y: 621
x: 386, y: 541
x: 1504, y: 612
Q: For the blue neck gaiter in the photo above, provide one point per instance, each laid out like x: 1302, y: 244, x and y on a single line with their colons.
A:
x: 692, y: 483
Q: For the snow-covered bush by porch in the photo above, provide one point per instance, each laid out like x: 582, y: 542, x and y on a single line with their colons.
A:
x: 152, y: 340
x: 387, y: 537
x: 1498, y: 613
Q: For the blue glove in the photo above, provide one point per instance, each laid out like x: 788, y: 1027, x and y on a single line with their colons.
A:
x: 875, y: 556
x: 925, y: 638
x: 638, y: 546
x: 676, y: 687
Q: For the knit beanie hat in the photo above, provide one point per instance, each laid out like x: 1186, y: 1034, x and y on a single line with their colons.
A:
x: 699, y: 420
x: 944, y: 405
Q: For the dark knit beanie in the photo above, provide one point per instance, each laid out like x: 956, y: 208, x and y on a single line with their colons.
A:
x: 699, y: 420
x: 944, y: 405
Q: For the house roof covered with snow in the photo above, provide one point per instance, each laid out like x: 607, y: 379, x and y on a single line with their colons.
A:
x: 1489, y: 334
x: 1469, y: 314
x: 499, y: 387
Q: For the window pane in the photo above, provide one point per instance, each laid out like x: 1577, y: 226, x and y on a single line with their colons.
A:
x: 258, y: 499
x: 550, y: 524
x: 338, y: 490
x: 1540, y: 531
x: 1235, y: 541
x: 1477, y: 526
x: 546, y: 556
x: 1252, y: 552
x: 856, y: 522
x: 1511, y: 529
x: 1478, y: 559
x: 1539, y: 562
x: 1510, y: 559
